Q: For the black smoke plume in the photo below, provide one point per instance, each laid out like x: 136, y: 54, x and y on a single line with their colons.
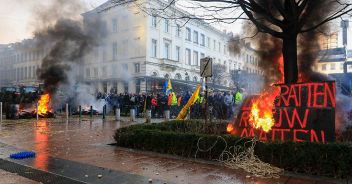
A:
x: 61, y: 32
x: 68, y: 43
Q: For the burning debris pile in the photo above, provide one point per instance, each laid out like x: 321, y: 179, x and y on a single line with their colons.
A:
x: 44, y: 106
x: 42, y: 109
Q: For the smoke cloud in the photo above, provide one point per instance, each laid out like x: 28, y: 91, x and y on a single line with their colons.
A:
x: 68, y: 45
x: 60, y: 31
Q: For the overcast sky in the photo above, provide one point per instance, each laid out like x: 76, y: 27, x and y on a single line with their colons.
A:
x: 16, y: 17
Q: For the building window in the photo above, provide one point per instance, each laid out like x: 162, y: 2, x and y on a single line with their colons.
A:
x: 88, y: 72
x: 166, y: 25
x: 125, y: 87
x: 33, y: 73
x: 188, y: 57
x: 167, y: 49
x: 332, y: 66
x: 125, y: 67
x: 202, y: 55
x: 137, y: 67
x: 154, y: 48
x: 195, y: 37
x: 178, y: 30
x: 187, y: 78
x: 114, y: 51
x: 178, y: 76
x: 25, y: 73
x: 178, y: 53
x: 138, y: 86
x: 96, y: 72
x: 29, y: 72
x: 114, y: 25
x: 208, y: 42
x: 154, y: 21
x: 104, y: 52
x: 195, y: 58
x: 202, y: 40
x: 188, y: 34
x: 214, y: 44
x: 219, y: 46
x: 104, y: 71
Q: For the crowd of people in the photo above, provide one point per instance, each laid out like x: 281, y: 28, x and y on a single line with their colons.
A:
x: 222, y: 105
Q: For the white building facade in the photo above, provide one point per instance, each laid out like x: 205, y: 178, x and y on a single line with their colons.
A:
x: 142, y: 49
x: 138, y: 51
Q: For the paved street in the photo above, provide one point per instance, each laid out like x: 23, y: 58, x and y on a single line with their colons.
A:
x: 87, y: 142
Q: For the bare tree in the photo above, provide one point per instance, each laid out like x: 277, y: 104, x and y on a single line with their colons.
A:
x: 283, y: 19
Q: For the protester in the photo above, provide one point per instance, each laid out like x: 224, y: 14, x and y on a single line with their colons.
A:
x: 221, y: 105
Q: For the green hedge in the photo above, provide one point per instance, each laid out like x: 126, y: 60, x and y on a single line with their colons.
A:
x: 181, y: 137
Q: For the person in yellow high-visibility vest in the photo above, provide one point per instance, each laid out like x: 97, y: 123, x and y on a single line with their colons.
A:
x: 172, y: 102
x: 174, y: 99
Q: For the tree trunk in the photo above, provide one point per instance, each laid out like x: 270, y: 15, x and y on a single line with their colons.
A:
x: 289, y: 51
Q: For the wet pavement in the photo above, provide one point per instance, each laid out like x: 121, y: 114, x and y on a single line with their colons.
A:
x: 85, y: 141
x: 12, y: 178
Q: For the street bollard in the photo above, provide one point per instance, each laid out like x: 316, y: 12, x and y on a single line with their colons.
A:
x: 91, y: 111
x: 37, y: 111
x: 132, y: 115
x: 149, y: 116
x: 117, y: 114
x: 80, y: 112
x: 104, y: 111
x: 67, y: 111
x: 167, y: 115
x: 0, y: 111
x: 188, y: 115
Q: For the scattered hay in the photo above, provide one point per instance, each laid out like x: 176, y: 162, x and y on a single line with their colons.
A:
x: 243, y: 157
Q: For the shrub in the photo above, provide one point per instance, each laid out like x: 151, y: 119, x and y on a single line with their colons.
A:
x: 181, y: 138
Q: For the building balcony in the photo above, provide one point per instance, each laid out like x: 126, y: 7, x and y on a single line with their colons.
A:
x: 169, y: 63
x: 173, y: 64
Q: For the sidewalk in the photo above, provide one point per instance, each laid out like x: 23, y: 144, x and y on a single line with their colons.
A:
x: 86, y: 142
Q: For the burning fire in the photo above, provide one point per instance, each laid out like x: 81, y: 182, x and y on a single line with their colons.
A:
x: 261, y: 114
x: 229, y: 128
x: 44, y: 104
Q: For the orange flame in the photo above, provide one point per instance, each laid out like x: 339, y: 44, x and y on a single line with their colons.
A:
x: 261, y: 114
x: 44, y: 104
x: 230, y: 128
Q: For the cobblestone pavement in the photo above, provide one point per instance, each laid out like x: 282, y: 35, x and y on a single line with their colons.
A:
x: 86, y: 141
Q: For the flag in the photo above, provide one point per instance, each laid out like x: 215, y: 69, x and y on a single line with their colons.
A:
x: 203, y: 85
x: 183, y: 113
x: 167, y: 87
